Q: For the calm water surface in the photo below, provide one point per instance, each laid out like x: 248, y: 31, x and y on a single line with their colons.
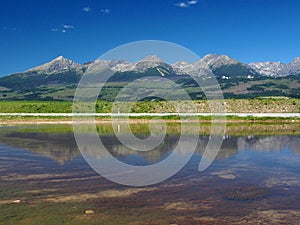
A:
x: 254, y: 180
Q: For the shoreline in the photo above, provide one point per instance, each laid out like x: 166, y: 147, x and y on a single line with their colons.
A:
x: 68, y: 119
x: 139, y: 115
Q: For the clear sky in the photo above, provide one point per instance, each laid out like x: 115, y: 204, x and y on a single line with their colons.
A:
x: 33, y: 32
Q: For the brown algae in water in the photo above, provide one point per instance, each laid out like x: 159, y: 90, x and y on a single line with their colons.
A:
x: 246, y: 192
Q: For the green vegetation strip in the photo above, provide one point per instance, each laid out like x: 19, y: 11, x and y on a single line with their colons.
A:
x: 259, y: 105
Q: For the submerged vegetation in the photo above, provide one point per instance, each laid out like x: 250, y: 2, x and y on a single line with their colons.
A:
x: 246, y: 192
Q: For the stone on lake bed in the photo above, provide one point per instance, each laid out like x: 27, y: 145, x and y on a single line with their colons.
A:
x: 89, y: 211
x: 227, y: 176
x: 17, y: 201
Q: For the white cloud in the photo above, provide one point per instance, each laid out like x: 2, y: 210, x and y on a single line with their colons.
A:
x: 192, y: 2
x: 11, y: 28
x: 86, y: 9
x: 187, y: 4
x: 182, y: 5
x: 105, y: 11
x: 65, y: 26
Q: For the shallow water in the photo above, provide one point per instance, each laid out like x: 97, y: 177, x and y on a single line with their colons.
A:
x: 255, y: 179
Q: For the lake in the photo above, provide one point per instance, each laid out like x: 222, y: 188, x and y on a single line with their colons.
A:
x: 255, y: 178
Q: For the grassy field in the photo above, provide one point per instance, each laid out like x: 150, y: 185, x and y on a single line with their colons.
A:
x: 260, y: 105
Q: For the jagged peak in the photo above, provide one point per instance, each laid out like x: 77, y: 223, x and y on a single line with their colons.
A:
x: 266, y: 63
x: 211, y: 56
x: 179, y: 63
x: 296, y: 60
x: 152, y: 58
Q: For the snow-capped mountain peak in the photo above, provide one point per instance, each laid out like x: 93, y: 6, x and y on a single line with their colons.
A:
x: 270, y: 68
x: 58, y: 64
x: 152, y: 61
x: 294, y: 66
x: 214, y: 60
x: 220, y: 65
x: 182, y: 67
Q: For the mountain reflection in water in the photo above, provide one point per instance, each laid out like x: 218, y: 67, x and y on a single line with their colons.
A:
x: 61, y: 146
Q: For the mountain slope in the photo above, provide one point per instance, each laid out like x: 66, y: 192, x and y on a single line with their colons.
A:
x: 33, y: 79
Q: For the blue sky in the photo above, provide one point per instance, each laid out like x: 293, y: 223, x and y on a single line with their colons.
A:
x: 33, y: 32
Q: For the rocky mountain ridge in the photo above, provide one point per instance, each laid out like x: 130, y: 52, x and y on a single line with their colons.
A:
x: 218, y: 64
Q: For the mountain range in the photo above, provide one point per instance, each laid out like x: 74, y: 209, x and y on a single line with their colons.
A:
x: 218, y: 64
x: 58, y: 78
